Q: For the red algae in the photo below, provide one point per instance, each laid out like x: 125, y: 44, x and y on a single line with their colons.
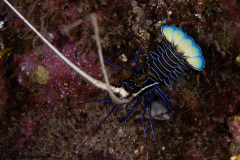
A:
x: 44, y: 67
x: 234, y: 127
x: 193, y: 152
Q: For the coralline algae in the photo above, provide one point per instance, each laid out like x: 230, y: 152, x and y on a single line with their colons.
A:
x: 56, y: 79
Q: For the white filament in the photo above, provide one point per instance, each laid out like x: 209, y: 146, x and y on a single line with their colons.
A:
x: 96, y: 30
x: 95, y: 82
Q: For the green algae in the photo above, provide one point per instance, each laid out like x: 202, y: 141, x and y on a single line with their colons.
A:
x: 238, y: 58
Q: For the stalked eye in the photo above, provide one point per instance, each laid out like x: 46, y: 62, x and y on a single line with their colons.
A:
x: 184, y: 46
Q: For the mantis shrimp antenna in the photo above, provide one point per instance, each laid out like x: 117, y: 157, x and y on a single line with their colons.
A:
x: 105, y: 86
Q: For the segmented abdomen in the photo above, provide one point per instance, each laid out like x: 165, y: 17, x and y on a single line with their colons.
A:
x: 178, y: 50
x: 165, y: 64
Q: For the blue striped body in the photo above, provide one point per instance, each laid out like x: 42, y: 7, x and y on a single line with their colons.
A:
x: 172, y: 56
x: 170, y: 59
